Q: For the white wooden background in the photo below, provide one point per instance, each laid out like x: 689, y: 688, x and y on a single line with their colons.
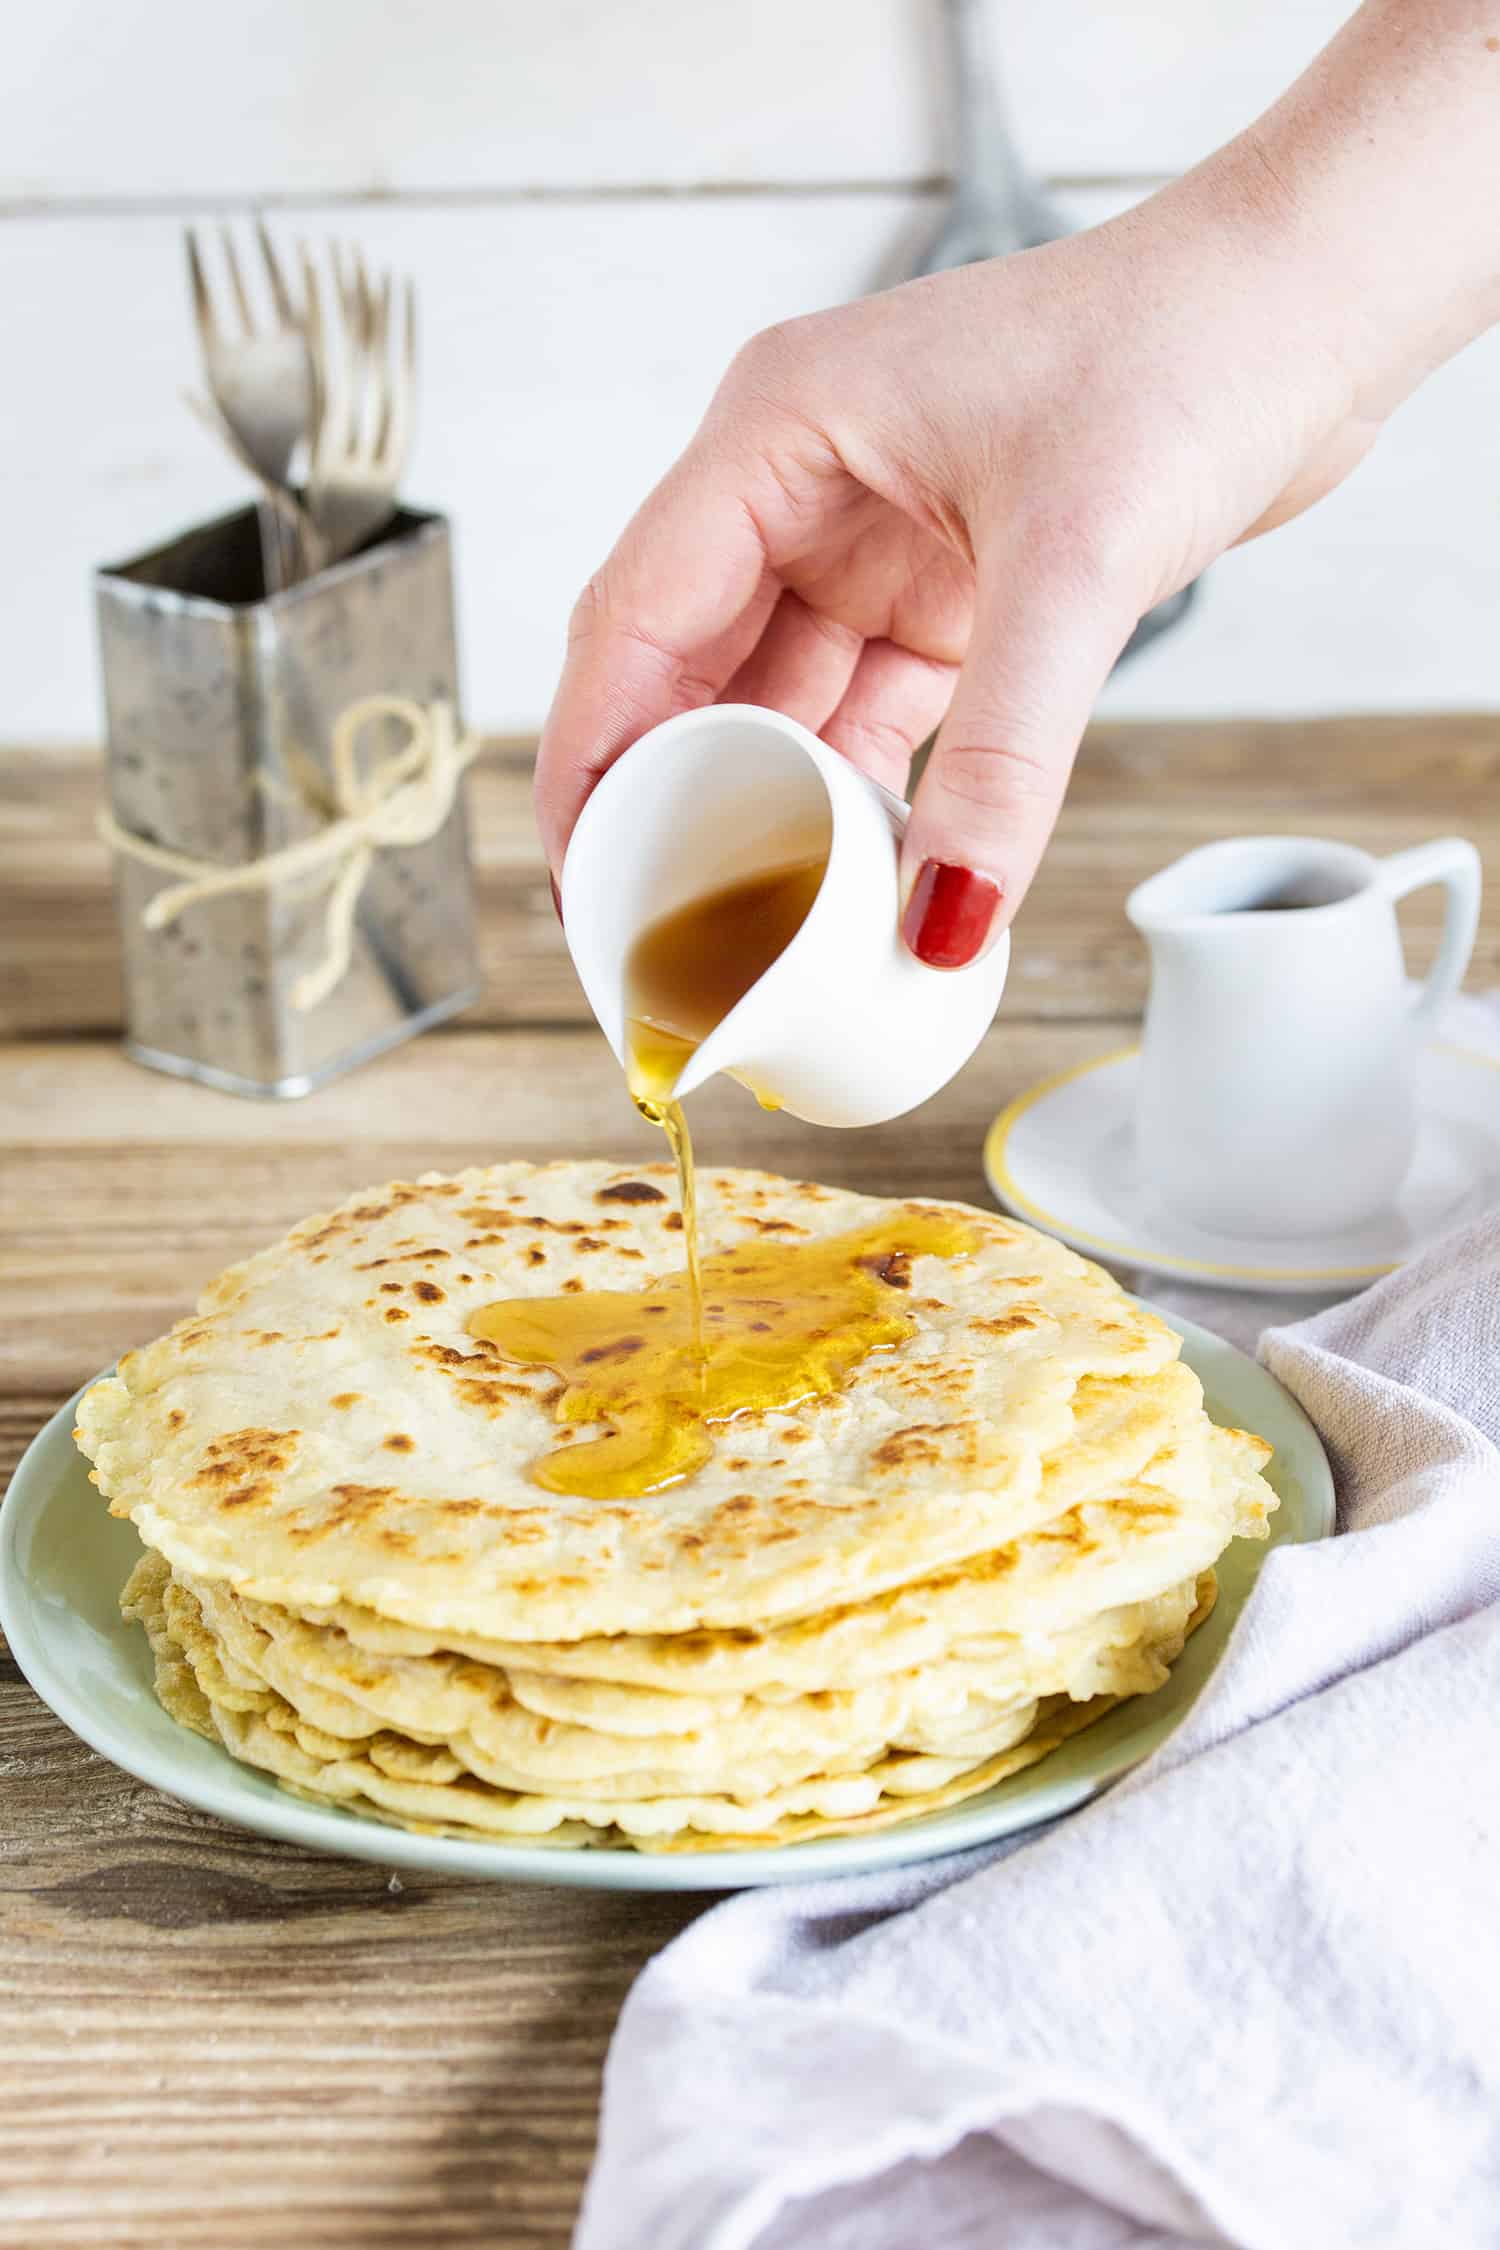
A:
x: 599, y: 202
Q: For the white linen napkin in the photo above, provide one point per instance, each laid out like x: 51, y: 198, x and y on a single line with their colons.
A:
x: 1249, y: 1996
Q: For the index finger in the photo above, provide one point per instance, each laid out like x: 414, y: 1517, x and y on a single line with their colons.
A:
x: 662, y: 628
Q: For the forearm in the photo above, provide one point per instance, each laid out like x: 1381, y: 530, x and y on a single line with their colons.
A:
x: 1382, y: 167
x: 965, y: 492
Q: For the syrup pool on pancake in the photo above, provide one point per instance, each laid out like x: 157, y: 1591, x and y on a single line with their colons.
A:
x: 753, y: 1328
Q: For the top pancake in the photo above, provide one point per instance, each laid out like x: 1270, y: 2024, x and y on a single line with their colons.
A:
x: 325, y: 1430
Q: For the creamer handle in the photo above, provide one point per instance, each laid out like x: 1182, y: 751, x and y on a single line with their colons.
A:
x: 1454, y: 863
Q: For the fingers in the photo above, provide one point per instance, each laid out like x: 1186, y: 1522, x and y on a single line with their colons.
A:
x: 889, y: 708
x: 663, y: 627
x: 1042, y: 647
x: 801, y: 664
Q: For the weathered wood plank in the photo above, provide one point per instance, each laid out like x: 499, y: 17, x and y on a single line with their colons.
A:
x: 226, y: 2044
x: 221, y: 2042
x: 1141, y: 794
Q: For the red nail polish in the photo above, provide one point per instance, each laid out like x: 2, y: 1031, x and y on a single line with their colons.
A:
x: 949, y: 915
x: 556, y: 897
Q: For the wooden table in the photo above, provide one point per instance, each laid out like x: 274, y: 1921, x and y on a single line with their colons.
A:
x: 216, y: 2041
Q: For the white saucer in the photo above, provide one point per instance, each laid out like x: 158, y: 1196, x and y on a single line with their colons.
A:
x: 1063, y: 1157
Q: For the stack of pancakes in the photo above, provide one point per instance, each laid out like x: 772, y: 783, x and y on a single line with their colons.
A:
x: 864, y: 1606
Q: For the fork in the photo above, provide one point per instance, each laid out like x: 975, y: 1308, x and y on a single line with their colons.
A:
x: 364, y: 386
x: 300, y: 547
x: 262, y: 382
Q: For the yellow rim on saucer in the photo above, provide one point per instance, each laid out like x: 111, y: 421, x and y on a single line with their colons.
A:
x: 1132, y: 1253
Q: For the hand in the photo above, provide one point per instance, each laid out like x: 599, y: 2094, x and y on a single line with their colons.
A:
x: 958, y: 498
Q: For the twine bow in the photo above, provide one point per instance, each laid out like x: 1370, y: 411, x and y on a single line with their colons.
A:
x: 403, y: 799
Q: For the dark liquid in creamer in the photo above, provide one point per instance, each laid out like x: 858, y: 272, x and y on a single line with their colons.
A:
x: 685, y: 972
x: 750, y: 1329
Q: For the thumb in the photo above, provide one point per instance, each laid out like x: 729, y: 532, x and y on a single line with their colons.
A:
x: 1041, y: 648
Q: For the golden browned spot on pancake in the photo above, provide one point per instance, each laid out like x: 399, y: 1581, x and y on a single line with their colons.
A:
x: 630, y: 1191
x: 521, y: 1530
x: 536, y: 1256
x: 399, y: 1442
x: 428, y: 1291
x: 1144, y: 1511
x: 175, y: 1418
x: 1069, y: 1530
x: 921, y: 1443
x: 481, y: 1215
x: 343, y: 1400
x: 246, y: 1453
x: 673, y: 1221
x: 490, y: 1394
x: 256, y: 1494
x: 395, y: 1312
x: 424, y: 1254
x: 443, y: 1355
x: 1016, y: 1322
x: 354, y: 1503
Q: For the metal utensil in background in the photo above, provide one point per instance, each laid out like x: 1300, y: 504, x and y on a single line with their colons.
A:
x: 997, y: 207
x: 300, y: 546
x: 364, y: 361
x: 261, y: 381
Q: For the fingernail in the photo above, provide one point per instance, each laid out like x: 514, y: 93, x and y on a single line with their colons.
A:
x: 949, y: 915
x: 556, y: 897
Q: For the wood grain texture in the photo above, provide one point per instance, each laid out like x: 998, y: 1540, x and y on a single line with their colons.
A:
x: 1141, y: 793
x: 215, y: 2043
x: 219, y: 2043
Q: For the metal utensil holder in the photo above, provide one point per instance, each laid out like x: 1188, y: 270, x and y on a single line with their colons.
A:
x: 220, y: 705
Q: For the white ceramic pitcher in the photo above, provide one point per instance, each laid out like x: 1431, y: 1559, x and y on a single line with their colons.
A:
x: 1277, y: 1090
x: 845, y: 1027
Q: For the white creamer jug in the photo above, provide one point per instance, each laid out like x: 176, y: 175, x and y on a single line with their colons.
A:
x: 845, y: 1027
x: 1277, y: 1086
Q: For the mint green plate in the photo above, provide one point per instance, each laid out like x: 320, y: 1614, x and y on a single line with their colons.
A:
x: 63, y: 1560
